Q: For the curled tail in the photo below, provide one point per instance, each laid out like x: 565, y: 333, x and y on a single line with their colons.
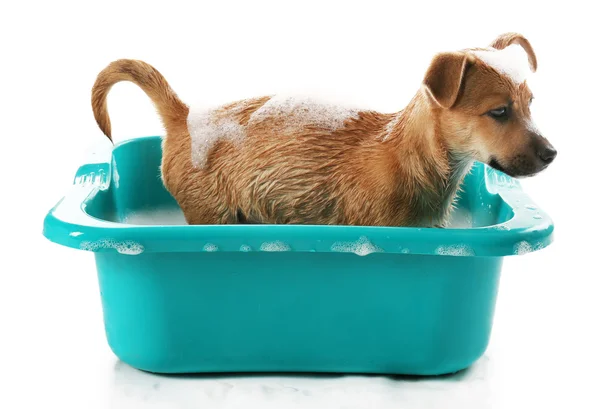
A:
x: 171, y: 109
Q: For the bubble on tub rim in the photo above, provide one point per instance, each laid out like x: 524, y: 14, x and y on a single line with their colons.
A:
x: 128, y: 247
x: 405, y: 251
x: 210, y: 247
x: 276, y: 245
x: 501, y: 227
x: 459, y: 250
x: 361, y: 247
x: 88, y: 246
x: 245, y: 248
x: 522, y: 247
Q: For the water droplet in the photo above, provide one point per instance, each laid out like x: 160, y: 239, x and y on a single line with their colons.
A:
x: 530, y: 207
x: 537, y: 216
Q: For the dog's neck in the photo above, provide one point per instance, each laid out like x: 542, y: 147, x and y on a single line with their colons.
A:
x: 425, y: 157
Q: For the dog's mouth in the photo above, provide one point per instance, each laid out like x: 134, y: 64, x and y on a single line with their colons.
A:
x: 514, y: 172
x: 496, y: 165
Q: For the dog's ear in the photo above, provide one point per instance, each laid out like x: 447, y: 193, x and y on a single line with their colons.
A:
x: 506, y: 39
x: 445, y: 76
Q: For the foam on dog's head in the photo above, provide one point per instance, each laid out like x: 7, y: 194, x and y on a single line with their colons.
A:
x: 511, y: 61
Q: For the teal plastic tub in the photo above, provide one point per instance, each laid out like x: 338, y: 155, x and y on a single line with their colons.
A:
x: 290, y: 298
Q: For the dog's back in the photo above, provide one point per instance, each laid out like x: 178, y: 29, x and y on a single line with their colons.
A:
x: 281, y: 160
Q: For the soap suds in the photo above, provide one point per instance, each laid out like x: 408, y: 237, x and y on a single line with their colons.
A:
x: 285, y: 113
x: 124, y: 247
x: 512, y: 61
x: 274, y: 246
x: 522, y: 247
x: 501, y: 227
x: 115, y: 174
x: 361, y: 247
x: 455, y: 250
x: 290, y: 113
x: 75, y: 234
x: 210, y: 247
x: 207, y: 126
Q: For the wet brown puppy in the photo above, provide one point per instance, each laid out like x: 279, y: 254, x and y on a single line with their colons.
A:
x: 297, y: 161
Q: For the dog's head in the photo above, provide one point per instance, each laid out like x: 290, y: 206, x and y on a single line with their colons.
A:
x: 482, y: 101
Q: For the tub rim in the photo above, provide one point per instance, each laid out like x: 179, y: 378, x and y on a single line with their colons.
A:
x: 68, y: 224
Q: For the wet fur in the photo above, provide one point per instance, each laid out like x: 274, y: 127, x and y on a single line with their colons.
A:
x: 380, y: 169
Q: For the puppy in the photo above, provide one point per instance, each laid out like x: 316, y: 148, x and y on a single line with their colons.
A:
x: 280, y: 160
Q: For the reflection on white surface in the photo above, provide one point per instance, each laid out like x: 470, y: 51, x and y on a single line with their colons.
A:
x: 466, y: 389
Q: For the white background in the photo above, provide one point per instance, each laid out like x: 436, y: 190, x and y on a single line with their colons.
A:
x: 544, y: 347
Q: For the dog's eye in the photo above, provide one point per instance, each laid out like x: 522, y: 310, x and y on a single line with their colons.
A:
x: 499, y: 113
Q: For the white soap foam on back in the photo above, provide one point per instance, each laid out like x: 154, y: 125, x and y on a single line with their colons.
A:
x: 275, y: 246
x: 124, y: 247
x: 301, y: 111
x: 361, y: 247
x: 512, y: 61
x: 207, y: 126
x: 455, y: 250
x: 156, y: 217
x: 289, y: 113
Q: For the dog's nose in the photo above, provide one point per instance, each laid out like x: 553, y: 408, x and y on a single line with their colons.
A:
x: 547, y: 154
